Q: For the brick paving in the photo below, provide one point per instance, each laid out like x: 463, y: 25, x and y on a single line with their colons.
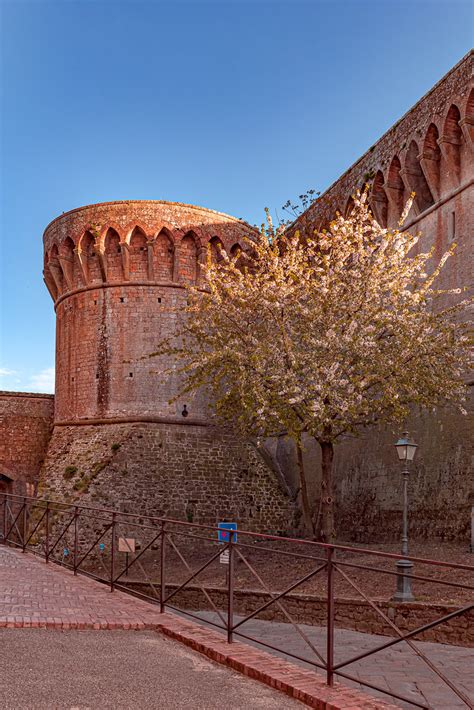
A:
x: 36, y: 595
x: 397, y: 669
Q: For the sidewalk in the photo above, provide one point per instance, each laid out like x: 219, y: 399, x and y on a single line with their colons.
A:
x: 35, y: 596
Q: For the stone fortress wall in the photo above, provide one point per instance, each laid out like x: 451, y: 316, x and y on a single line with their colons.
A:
x: 116, y: 270
x: 428, y: 151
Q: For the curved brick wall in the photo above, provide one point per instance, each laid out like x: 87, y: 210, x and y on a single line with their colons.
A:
x: 115, y: 271
x: 25, y: 427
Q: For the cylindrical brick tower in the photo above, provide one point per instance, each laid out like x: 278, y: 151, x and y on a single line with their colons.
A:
x: 115, y: 272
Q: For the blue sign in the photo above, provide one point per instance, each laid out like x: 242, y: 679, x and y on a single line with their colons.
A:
x: 65, y: 552
x: 223, y: 535
x: 101, y: 546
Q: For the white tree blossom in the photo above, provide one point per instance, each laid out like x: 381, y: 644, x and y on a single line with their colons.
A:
x: 321, y: 333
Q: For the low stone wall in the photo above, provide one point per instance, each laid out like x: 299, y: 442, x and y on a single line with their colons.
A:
x: 349, y: 613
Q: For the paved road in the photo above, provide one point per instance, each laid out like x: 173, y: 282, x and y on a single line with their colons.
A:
x: 397, y: 669
x: 88, y: 670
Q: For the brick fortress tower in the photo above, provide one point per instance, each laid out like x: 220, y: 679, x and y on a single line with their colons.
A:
x: 115, y: 271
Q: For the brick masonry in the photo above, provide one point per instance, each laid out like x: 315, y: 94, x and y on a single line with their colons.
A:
x: 116, y: 272
x: 25, y: 428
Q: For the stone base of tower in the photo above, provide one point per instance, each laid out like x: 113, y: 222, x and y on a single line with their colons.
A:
x: 195, y: 473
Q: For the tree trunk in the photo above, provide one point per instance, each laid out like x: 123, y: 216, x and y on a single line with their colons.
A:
x: 305, y: 504
x: 328, y: 533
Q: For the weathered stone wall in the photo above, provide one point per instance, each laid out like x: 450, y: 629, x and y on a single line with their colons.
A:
x: 186, y: 472
x: 25, y: 427
x: 368, y: 481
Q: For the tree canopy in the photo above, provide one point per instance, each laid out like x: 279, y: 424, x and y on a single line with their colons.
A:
x: 321, y: 333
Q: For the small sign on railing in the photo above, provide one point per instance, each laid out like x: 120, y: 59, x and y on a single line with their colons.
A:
x: 223, y: 534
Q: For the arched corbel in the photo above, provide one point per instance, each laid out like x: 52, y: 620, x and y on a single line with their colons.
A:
x: 201, y: 260
x: 450, y: 150
x: 467, y: 127
x: 82, y: 264
x: 67, y: 266
x: 56, y: 272
x: 50, y: 284
x: 150, y: 245
x: 430, y: 167
x: 177, y: 258
x: 125, y: 253
x: 102, y: 262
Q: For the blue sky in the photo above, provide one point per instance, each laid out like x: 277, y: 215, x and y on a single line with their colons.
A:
x: 229, y: 105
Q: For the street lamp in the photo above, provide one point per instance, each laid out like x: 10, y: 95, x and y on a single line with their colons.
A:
x: 406, y: 449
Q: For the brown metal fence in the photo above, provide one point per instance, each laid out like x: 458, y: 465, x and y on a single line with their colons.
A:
x: 85, y: 540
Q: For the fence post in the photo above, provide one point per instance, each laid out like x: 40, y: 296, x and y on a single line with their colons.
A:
x: 162, y: 568
x: 76, y: 538
x: 330, y: 621
x: 112, y: 555
x: 4, y: 532
x: 46, y: 551
x: 23, y: 525
x: 230, y: 588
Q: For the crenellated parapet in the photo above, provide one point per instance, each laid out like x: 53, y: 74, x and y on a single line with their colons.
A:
x: 429, y: 151
x: 116, y: 272
x: 134, y: 241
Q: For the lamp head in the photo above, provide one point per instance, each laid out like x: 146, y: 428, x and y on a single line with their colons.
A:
x: 406, y: 448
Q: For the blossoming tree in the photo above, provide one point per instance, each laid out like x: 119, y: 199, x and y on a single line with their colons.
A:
x: 320, y: 334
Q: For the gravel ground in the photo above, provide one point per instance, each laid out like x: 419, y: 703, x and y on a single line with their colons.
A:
x: 88, y: 670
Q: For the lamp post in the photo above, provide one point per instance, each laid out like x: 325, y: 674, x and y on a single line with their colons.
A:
x: 406, y: 449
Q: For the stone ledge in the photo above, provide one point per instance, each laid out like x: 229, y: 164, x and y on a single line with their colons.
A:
x: 306, y: 686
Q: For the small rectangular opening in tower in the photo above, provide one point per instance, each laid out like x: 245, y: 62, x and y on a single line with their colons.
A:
x: 122, y: 299
x: 451, y: 226
x: 159, y: 300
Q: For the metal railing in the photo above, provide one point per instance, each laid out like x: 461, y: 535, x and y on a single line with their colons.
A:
x: 85, y: 539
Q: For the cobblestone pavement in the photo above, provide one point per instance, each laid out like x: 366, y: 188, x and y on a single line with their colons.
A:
x: 397, y: 669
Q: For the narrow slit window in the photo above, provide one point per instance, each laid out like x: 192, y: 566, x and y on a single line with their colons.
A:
x: 451, y: 226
